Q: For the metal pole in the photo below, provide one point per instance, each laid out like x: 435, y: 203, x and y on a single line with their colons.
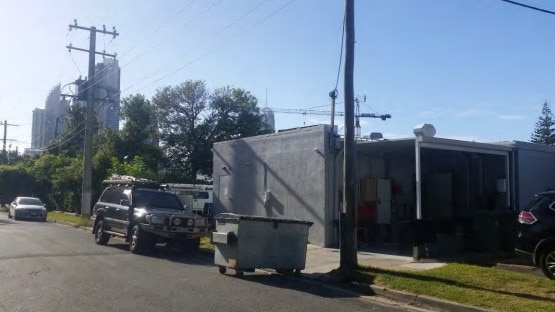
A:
x: 87, y: 158
x: 418, y: 178
x: 348, y: 254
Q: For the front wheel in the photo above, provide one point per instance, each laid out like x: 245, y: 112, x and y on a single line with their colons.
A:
x: 547, y: 262
x: 101, y: 237
x: 141, y: 242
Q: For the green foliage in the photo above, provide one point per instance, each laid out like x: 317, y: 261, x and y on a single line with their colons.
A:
x: 544, y: 131
x: 16, y: 181
x: 190, y: 120
x: 136, y: 168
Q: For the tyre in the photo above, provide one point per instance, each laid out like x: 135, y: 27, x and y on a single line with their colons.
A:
x: 547, y: 262
x: 141, y: 242
x: 100, y: 237
x: 222, y: 269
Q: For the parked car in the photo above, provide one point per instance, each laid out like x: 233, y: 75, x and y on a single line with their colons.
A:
x: 144, y: 214
x: 536, y: 232
x: 27, y: 208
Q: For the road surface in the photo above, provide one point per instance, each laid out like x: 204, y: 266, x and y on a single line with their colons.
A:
x: 52, y: 267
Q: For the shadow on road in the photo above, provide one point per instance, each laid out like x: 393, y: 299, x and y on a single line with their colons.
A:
x: 6, y: 221
x: 301, y: 284
x: 163, y: 252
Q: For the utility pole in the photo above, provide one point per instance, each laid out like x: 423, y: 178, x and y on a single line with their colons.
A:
x: 4, y: 152
x: 348, y: 253
x: 86, y: 193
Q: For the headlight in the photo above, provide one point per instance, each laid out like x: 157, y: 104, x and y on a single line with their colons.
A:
x: 156, y: 219
x: 200, y: 222
x: 177, y: 221
x: 190, y: 222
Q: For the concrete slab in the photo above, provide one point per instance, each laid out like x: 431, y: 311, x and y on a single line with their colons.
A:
x: 323, y: 260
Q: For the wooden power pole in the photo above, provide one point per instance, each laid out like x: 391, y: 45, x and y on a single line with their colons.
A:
x: 86, y: 194
x: 348, y: 255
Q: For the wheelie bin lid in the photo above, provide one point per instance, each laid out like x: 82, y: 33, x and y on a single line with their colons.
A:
x: 234, y: 218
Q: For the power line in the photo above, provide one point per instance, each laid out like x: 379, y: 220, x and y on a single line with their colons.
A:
x: 340, y: 55
x: 167, y: 20
x: 205, y: 41
x: 223, y: 44
x: 529, y: 7
x: 155, y: 45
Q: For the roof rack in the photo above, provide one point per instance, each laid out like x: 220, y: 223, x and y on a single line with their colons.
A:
x: 123, y: 180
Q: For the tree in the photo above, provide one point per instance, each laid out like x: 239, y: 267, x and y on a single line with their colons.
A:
x: 140, y: 131
x: 72, y: 139
x: 190, y: 120
x: 544, y: 131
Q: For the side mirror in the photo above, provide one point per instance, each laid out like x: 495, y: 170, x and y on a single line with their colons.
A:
x: 124, y: 202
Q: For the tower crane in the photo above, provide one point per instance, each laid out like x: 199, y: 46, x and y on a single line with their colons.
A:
x: 358, y: 114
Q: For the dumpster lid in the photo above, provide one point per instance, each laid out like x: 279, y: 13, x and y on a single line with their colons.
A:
x: 231, y: 217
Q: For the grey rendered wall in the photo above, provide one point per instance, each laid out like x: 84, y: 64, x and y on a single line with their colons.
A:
x: 536, y: 173
x: 293, y: 166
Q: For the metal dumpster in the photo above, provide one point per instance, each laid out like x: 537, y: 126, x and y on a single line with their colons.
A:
x: 245, y: 243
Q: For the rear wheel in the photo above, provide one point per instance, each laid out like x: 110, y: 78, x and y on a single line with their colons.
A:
x: 547, y: 262
x: 100, y: 237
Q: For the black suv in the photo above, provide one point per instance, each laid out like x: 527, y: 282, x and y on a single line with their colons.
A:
x: 142, y: 213
x: 536, y: 233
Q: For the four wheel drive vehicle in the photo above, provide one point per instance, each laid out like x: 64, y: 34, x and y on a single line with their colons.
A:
x: 536, y: 233
x: 27, y: 208
x: 143, y: 214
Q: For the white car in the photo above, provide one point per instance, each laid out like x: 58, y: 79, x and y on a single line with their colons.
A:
x: 27, y: 208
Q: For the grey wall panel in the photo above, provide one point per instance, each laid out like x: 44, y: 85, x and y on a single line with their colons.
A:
x: 291, y: 167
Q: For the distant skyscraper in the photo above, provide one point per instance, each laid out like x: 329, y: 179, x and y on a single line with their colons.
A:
x: 37, y: 132
x: 108, y: 77
x: 48, y: 123
x: 268, y: 117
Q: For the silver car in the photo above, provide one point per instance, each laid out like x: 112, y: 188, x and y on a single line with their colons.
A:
x: 27, y: 208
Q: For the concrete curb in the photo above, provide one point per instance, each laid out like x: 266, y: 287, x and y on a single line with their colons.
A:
x: 84, y: 228
x: 418, y: 300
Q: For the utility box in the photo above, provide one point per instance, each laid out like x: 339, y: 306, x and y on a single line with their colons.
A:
x: 245, y: 243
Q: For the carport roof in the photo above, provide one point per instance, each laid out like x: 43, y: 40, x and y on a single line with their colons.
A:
x: 436, y: 143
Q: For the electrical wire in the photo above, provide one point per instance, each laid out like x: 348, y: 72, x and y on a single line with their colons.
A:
x: 529, y: 7
x: 206, y: 41
x: 223, y: 44
x: 74, y: 62
x: 155, y: 45
x: 340, y: 54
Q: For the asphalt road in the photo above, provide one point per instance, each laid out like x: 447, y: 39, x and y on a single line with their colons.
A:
x: 52, y: 267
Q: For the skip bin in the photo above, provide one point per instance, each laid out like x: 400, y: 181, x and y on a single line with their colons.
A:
x: 245, y: 243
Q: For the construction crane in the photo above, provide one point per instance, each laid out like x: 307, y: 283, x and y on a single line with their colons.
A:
x: 358, y: 115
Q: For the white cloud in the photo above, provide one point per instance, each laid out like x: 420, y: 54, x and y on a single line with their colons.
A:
x: 512, y: 117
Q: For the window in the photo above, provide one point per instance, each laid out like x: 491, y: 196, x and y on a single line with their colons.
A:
x: 149, y: 198
x: 107, y: 195
x: 30, y: 201
x: 118, y: 196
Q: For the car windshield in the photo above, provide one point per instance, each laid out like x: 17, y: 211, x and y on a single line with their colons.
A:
x: 30, y: 201
x: 148, y: 198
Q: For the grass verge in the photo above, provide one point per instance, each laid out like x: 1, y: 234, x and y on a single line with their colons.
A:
x: 205, y: 243
x: 3, y: 208
x: 76, y: 220
x: 471, y: 284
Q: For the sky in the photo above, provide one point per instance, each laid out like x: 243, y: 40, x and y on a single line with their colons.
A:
x: 476, y: 69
